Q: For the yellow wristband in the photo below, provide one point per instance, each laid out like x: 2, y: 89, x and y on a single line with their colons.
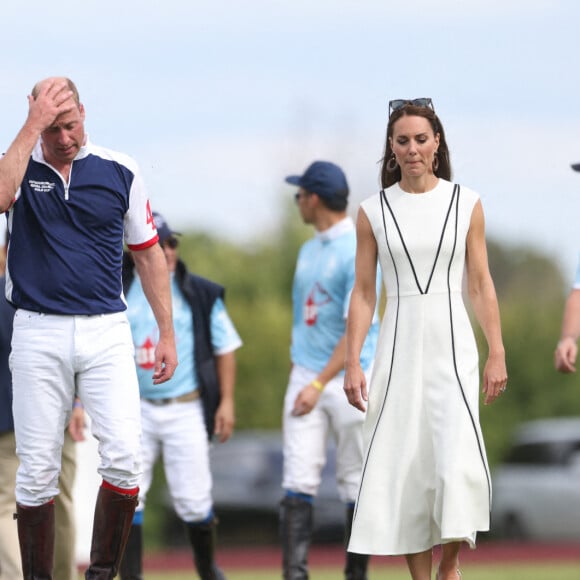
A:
x: 317, y: 385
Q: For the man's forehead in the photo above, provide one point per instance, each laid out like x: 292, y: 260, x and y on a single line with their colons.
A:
x: 73, y: 116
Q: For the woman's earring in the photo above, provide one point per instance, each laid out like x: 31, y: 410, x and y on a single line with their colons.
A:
x: 392, y: 164
x: 435, y: 162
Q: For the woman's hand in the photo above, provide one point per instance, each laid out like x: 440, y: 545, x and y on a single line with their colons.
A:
x: 494, y: 377
x: 355, y: 387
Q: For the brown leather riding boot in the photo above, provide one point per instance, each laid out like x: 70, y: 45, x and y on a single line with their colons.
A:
x: 36, y: 537
x: 131, y: 567
x: 113, y: 516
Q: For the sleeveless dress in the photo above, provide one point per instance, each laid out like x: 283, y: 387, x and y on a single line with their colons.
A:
x: 425, y: 479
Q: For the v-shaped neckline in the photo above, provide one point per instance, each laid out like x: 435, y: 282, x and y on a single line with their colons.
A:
x: 385, y: 201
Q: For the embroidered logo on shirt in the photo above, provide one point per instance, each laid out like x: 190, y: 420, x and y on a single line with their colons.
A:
x: 145, y: 355
x: 318, y: 296
x: 41, y: 186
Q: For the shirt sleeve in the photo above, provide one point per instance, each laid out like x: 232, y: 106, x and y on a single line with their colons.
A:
x: 224, y: 335
x: 140, y: 231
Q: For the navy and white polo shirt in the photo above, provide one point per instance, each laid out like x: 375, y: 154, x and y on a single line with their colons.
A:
x: 66, y: 239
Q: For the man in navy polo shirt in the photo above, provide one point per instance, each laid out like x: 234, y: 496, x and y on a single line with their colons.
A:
x: 71, y: 206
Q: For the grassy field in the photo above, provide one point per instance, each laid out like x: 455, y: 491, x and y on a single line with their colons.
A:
x: 550, y: 571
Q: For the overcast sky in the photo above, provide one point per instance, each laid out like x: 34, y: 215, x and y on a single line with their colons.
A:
x: 218, y: 101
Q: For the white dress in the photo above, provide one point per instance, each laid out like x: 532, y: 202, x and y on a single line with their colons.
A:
x: 425, y: 478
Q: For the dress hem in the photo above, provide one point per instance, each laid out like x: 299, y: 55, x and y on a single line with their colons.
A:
x: 469, y: 540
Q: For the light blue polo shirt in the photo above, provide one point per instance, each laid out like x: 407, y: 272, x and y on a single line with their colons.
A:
x: 146, y: 336
x: 321, y: 292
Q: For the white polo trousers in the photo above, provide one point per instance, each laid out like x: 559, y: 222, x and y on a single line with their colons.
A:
x: 306, y: 438
x: 177, y: 432
x: 53, y: 357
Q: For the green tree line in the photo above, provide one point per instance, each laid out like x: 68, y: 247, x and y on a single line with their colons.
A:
x: 258, y: 279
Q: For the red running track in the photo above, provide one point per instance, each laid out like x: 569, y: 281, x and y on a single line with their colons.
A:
x: 252, y: 557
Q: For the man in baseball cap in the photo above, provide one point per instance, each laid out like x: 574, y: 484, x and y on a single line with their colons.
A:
x: 163, y: 230
x: 315, y: 407
x: 323, y: 178
x: 185, y: 414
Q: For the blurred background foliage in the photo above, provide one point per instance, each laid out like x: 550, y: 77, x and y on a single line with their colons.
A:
x: 258, y: 279
x: 531, y: 291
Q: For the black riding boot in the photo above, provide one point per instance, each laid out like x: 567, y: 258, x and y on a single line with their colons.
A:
x: 36, y: 538
x: 295, y: 533
x: 356, y: 564
x: 202, y: 537
x: 132, y: 562
x: 113, y: 516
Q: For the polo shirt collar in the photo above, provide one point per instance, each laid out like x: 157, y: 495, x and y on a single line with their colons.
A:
x: 338, y: 229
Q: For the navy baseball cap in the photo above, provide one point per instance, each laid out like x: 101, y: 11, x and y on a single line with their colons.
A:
x: 163, y: 230
x: 323, y: 178
x: 576, y: 166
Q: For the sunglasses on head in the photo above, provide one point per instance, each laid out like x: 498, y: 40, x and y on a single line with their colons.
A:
x: 171, y: 243
x: 397, y: 104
